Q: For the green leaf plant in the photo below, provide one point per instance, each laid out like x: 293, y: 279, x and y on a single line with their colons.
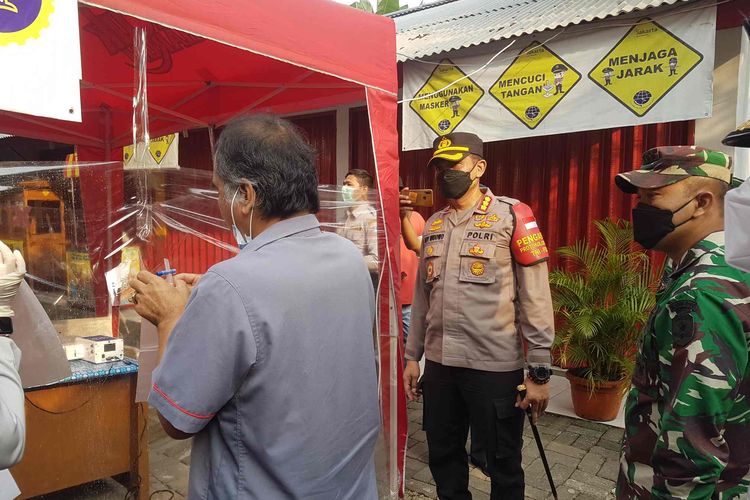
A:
x: 602, y: 296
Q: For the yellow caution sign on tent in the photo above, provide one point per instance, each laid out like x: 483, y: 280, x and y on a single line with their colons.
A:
x: 160, y: 146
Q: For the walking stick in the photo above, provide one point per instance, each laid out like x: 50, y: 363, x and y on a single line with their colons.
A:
x: 522, y: 392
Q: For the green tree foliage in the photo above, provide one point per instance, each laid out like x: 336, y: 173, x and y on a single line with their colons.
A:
x: 384, y: 6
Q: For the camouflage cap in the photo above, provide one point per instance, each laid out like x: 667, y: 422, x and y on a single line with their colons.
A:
x: 739, y: 138
x: 670, y: 164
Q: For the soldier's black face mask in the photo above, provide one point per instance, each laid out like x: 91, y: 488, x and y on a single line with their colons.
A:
x: 652, y: 224
x: 454, y: 183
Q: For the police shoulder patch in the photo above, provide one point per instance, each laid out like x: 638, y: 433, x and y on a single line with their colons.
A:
x: 528, y: 246
x: 683, y: 325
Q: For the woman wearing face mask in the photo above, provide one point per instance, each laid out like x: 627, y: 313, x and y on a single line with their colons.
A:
x: 687, y: 417
x: 481, y: 284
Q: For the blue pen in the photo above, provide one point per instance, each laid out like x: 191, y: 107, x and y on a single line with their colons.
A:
x: 168, y: 275
x: 168, y: 272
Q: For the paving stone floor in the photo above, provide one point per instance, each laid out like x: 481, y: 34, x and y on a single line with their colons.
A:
x: 583, y: 456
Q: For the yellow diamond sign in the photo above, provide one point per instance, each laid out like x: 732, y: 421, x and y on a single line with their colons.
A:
x: 644, y: 66
x: 158, y: 147
x: 162, y: 151
x: 443, y: 104
x: 534, y: 83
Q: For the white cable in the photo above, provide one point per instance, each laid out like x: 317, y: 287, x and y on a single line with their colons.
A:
x: 462, y: 78
x: 541, y: 44
x: 562, y: 30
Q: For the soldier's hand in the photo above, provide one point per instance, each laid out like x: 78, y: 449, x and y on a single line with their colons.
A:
x: 537, y: 396
x: 405, y: 203
x: 411, y: 377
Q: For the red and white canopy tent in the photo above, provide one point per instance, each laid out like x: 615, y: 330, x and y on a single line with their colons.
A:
x: 211, y: 61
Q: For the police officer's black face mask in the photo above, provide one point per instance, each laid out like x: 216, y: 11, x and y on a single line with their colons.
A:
x: 455, y: 183
x: 652, y: 224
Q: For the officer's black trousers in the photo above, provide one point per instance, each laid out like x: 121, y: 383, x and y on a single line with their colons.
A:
x: 456, y: 398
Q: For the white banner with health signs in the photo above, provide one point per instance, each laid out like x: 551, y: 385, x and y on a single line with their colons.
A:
x: 622, y: 72
x: 41, y: 58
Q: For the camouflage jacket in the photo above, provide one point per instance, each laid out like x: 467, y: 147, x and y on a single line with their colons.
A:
x: 687, y: 416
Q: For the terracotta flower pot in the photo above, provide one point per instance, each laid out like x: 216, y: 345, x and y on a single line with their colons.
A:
x: 601, y: 405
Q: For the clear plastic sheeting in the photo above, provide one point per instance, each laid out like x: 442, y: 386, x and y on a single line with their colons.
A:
x: 43, y: 361
x: 201, y: 74
x: 76, y: 225
x: 140, y: 99
x: 74, y: 230
x: 358, y: 218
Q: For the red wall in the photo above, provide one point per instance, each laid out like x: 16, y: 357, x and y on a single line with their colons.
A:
x: 319, y: 128
x: 195, y: 150
x: 360, y: 141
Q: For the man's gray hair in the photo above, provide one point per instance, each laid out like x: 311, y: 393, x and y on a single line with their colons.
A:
x: 273, y: 156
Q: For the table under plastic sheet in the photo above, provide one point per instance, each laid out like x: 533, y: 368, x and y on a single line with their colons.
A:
x: 84, y: 428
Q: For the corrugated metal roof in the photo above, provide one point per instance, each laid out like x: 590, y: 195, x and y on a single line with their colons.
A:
x: 454, y: 24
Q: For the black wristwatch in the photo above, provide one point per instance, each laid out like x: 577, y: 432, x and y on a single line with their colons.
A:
x: 540, y: 374
x: 6, y: 326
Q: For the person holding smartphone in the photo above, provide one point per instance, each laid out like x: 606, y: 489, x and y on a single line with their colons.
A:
x: 412, y: 225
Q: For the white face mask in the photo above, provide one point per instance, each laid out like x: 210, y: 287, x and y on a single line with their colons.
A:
x: 242, y: 240
x: 736, y: 215
x: 347, y: 193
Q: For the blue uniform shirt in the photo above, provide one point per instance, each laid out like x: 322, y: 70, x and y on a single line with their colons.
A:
x: 272, y: 366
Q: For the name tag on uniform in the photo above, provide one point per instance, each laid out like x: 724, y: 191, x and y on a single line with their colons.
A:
x: 433, y: 237
x: 480, y: 235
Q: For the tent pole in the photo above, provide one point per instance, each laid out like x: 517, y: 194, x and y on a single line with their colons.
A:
x: 161, y: 109
x: 107, y: 112
x: 266, y: 98
x: 211, y: 139
x: 393, y: 359
x: 208, y: 86
x: 107, y: 118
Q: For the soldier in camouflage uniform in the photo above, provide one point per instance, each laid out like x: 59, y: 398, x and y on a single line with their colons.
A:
x: 687, y: 416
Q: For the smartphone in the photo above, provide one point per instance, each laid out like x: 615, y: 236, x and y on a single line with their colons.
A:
x: 421, y: 197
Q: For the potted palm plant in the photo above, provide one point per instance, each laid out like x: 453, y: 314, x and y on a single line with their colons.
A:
x: 602, y: 296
